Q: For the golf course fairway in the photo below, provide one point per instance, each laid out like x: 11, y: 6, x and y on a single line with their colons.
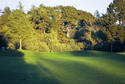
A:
x: 76, y: 67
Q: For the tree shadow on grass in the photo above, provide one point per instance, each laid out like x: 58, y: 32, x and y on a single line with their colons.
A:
x: 74, y: 72
x: 14, y: 70
x: 11, y: 53
x: 106, y: 55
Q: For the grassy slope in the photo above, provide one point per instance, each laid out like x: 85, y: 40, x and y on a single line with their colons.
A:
x: 89, y: 67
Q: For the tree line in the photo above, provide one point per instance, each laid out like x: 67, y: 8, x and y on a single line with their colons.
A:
x: 63, y: 28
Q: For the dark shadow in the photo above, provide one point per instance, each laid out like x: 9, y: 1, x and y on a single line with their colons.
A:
x: 106, y: 55
x: 3, y: 42
x: 108, y: 45
x: 15, y: 70
x: 11, y: 53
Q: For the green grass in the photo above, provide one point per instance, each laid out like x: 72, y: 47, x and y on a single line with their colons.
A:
x: 77, y: 67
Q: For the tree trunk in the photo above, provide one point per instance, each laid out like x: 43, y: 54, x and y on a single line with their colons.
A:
x: 111, y: 47
x: 20, y: 44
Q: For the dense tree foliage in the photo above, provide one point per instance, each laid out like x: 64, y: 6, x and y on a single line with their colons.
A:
x: 63, y: 28
x: 17, y: 29
x: 113, y: 24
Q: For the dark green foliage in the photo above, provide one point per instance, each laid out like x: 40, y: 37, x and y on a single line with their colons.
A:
x: 59, y: 25
x: 18, y: 28
x: 3, y: 22
x: 63, y: 29
x: 114, y: 26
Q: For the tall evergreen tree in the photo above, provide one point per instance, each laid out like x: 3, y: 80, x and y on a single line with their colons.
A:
x: 3, y: 22
x: 4, y: 17
x: 114, y: 22
x: 18, y: 29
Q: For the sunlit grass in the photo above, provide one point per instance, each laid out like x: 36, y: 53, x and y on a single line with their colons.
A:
x: 88, y: 67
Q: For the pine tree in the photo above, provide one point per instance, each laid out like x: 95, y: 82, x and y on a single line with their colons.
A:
x: 114, y: 22
x: 19, y: 28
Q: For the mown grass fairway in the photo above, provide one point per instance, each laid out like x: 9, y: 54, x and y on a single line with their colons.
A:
x: 88, y: 67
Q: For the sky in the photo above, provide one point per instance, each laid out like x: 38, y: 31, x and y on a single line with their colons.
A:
x: 86, y: 5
